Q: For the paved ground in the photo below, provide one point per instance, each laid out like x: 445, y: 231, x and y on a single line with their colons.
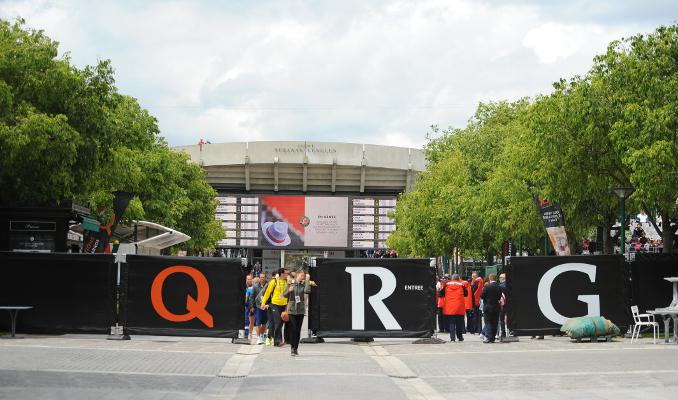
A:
x: 90, y: 367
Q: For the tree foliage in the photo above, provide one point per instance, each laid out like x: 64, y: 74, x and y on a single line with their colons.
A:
x: 67, y: 134
x: 615, y: 126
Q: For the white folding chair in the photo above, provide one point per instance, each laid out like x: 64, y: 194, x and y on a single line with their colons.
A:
x: 643, y: 320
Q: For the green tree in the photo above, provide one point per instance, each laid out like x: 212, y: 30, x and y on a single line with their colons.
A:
x: 67, y: 134
x: 640, y: 77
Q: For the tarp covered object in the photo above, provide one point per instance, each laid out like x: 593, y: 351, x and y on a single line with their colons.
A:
x: 69, y: 293
x: 358, y: 297
x: 648, y: 271
x: 183, y: 296
x: 543, y: 292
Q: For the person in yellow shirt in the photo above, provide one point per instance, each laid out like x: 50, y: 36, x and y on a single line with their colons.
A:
x: 275, y: 299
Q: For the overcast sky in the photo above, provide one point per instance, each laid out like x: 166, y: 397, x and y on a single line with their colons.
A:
x: 352, y: 71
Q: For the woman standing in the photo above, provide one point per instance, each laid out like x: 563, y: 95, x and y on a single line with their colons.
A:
x: 296, y: 307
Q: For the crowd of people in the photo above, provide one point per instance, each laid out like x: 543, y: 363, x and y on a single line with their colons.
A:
x: 275, y: 308
x: 472, y: 306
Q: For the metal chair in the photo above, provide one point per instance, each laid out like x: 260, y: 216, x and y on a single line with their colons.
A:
x: 638, y: 321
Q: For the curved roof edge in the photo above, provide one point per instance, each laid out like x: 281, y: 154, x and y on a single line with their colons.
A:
x: 309, y: 152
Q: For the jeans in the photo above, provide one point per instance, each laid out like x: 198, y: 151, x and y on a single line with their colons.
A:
x: 456, y: 326
x: 502, y: 323
x: 294, y: 327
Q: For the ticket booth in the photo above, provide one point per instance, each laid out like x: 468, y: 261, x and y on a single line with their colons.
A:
x: 40, y: 229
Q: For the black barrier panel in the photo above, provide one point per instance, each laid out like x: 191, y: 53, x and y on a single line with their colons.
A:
x: 374, y: 298
x: 69, y: 293
x: 183, y: 296
x: 648, y: 271
x: 545, y: 291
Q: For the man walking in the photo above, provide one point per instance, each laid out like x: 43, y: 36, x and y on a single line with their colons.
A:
x: 260, y: 318
x: 275, y: 292
x: 491, y: 295
x: 454, y: 308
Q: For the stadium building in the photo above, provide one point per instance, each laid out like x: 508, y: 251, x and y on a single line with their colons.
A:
x: 281, y: 202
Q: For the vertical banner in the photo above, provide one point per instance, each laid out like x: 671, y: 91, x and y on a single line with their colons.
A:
x: 544, y: 292
x: 97, y: 242
x: 69, y: 293
x: 358, y: 297
x: 183, y: 296
x: 554, y: 222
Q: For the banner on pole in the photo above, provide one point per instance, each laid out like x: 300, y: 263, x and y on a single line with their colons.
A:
x: 183, y: 296
x: 544, y: 292
x: 69, y: 293
x: 554, y: 222
x: 359, y: 297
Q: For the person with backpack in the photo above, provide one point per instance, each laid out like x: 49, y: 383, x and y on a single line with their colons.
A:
x: 260, y: 317
x: 275, y: 300
x: 296, y: 292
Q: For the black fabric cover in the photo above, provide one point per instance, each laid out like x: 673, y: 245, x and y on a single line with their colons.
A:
x: 648, y: 271
x: 226, y: 301
x: 611, y: 285
x: 413, y: 307
x: 70, y: 293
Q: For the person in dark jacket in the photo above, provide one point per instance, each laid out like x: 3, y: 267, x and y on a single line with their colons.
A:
x: 296, y: 307
x: 491, y: 295
x: 502, y: 311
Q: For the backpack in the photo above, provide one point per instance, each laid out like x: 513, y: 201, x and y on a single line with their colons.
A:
x: 260, y: 295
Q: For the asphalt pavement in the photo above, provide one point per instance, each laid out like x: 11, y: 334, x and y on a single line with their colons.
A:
x: 91, y: 367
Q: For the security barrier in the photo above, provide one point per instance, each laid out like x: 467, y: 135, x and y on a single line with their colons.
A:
x: 182, y: 296
x: 69, y: 293
x: 648, y: 271
x: 358, y: 297
x: 546, y: 291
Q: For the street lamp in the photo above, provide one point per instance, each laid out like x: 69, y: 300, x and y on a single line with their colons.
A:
x: 623, y: 193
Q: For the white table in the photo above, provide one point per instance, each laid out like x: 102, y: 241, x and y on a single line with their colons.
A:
x: 13, y: 312
x: 668, y: 314
x: 674, y: 302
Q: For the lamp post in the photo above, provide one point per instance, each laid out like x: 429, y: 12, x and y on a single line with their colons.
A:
x: 623, y: 193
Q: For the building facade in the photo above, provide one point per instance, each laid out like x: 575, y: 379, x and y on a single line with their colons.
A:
x: 281, y: 202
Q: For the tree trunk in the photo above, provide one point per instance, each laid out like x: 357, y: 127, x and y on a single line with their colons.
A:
x: 608, y: 244
x: 667, y: 233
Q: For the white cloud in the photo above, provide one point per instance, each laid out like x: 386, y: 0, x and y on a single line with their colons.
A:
x: 552, y: 42
x: 354, y: 71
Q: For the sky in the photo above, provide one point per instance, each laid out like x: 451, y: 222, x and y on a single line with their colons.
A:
x: 359, y: 71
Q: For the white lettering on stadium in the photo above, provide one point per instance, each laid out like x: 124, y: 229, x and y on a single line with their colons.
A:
x: 414, y: 287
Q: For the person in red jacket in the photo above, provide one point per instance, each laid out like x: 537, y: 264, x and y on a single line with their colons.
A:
x: 468, y: 303
x: 477, y: 284
x: 454, y: 308
x: 442, y: 325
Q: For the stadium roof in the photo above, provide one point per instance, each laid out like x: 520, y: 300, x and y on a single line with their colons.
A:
x: 307, y: 166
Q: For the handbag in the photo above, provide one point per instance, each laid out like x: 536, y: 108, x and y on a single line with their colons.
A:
x: 285, y: 315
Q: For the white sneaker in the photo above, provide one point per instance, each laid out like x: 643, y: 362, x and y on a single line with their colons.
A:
x: 260, y: 340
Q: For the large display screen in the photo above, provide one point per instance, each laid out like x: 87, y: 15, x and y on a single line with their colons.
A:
x: 302, y: 221
x: 298, y: 222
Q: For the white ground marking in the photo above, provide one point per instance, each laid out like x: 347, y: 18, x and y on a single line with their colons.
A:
x: 240, y: 364
x: 414, y: 387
